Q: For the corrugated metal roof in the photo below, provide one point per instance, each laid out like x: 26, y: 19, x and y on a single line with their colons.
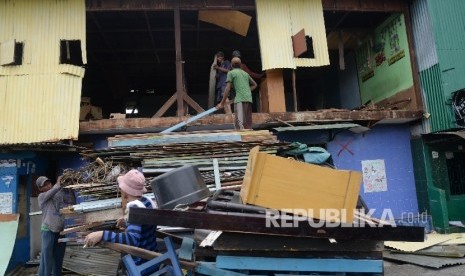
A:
x: 279, y: 20
x: 40, y: 99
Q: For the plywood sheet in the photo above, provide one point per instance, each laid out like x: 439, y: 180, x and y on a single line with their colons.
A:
x: 234, y: 21
x: 272, y: 97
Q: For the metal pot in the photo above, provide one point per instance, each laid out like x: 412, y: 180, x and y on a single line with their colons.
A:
x: 183, y: 185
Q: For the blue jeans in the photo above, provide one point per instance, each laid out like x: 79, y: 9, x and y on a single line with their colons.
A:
x: 53, y: 252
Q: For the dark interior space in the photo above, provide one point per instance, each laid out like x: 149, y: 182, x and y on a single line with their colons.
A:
x: 131, y: 58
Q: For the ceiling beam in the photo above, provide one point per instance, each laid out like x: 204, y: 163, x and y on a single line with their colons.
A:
x: 243, y: 5
x: 167, y: 5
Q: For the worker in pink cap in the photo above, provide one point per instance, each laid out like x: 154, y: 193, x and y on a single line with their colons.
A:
x: 132, y: 187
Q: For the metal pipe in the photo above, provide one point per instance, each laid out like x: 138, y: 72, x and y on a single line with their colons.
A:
x: 191, y: 119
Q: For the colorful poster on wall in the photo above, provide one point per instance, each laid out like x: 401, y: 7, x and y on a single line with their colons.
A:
x: 374, y: 176
x: 6, y: 203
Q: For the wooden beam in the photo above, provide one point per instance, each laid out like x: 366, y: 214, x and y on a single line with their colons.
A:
x: 263, y: 120
x: 166, y: 106
x: 254, y: 224
x: 179, y: 70
x: 192, y: 103
x: 166, y: 5
x: 273, y: 90
x: 243, y: 5
x: 98, y: 216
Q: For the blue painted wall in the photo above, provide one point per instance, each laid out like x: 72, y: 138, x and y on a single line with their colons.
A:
x: 29, y: 164
x: 388, y: 142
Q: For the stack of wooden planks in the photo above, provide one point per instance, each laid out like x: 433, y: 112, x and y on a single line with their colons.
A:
x: 225, y: 151
x: 219, y: 155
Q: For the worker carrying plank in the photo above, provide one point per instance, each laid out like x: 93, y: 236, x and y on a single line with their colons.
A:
x: 243, y: 85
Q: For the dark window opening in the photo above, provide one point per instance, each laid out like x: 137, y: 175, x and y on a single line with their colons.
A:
x: 70, y: 52
x: 456, y: 173
x: 310, y: 52
x: 18, y: 59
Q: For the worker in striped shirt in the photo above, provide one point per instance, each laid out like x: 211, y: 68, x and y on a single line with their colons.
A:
x: 132, y: 186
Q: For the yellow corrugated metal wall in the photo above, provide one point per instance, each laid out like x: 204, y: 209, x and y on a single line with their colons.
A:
x: 279, y: 20
x: 40, y: 99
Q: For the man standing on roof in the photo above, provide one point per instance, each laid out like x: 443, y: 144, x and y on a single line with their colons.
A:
x: 50, y: 202
x: 243, y: 85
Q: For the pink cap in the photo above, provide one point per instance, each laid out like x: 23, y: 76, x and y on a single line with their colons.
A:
x: 132, y: 183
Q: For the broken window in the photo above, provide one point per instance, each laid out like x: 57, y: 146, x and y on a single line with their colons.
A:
x: 70, y: 52
x: 11, y: 53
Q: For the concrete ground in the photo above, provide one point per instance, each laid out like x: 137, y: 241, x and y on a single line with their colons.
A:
x: 402, y: 269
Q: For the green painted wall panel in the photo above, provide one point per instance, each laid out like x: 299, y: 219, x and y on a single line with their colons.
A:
x: 419, y: 170
x: 441, y: 116
x: 381, y: 74
x: 448, y: 17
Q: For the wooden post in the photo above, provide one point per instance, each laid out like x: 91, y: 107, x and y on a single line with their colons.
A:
x: 180, y: 96
x: 179, y: 75
x: 272, y: 92
x: 294, y: 91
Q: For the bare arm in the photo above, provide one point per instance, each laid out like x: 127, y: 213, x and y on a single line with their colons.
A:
x: 254, y: 75
x: 225, y: 96
x: 252, y: 84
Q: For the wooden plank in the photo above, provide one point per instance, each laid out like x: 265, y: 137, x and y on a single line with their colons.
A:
x: 192, y: 103
x: 98, y: 216
x: 166, y: 106
x: 80, y: 228
x: 275, y: 89
x: 230, y: 241
x: 263, y: 119
x: 212, y: 85
x: 234, y: 21
x: 257, y: 224
x: 180, y: 91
